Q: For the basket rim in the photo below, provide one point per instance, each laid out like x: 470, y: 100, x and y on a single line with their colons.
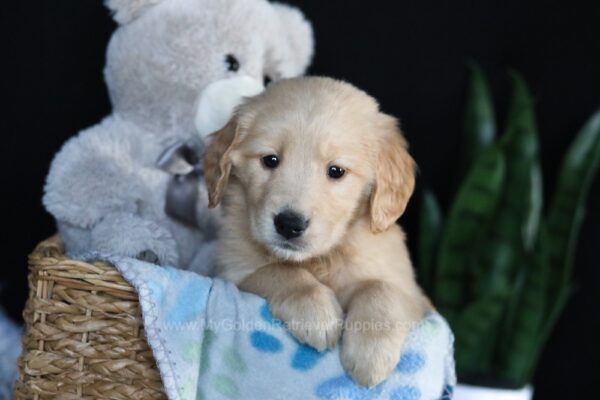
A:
x: 49, y: 262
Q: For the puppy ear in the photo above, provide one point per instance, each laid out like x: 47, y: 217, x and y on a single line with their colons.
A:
x: 298, y: 32
x: 394, y: 177
x: 217, y: 161
x: 125, y: 11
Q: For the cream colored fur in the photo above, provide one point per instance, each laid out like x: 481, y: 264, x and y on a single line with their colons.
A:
x: 351, y: 264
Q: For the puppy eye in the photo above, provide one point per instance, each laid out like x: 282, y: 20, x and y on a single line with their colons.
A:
x: 335, y: 172
x: 271, y: 161
x: 266, y: 80
x: 233, y: 64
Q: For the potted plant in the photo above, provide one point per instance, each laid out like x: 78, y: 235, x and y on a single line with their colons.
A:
x: 498, y: 267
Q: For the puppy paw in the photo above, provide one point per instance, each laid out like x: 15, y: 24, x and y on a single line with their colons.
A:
x: 313, y: 315
x: 370, y: 357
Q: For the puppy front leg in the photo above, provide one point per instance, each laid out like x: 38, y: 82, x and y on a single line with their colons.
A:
x: 309, y: 308
x: 379, y: 317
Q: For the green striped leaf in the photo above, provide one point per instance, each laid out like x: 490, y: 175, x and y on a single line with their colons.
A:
x: 561, y: 227
x: 547, y: 287
x: 521, y: 146
x: 470, y: 213
x: 479, y: 122
x: 515, y: 223
x: 523, y: 331
x: 473, y: 330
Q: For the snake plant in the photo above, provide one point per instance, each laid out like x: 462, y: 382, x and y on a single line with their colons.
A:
x: 498, y: 266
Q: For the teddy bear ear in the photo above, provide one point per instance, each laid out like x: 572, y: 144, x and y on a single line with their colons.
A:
x: 299, y: 33
x: 125, y: 11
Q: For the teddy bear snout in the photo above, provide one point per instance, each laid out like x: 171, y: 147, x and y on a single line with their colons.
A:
x: 217, y: 101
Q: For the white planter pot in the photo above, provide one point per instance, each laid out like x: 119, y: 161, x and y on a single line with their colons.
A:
x: 467, y: 392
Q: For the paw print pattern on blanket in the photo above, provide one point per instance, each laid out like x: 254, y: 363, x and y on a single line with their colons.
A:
x: 344, y: 387
x: 222, y: 383
x: 341, y: 387
x: 305, y: 357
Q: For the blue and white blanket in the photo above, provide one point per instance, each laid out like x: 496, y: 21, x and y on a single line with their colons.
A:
x: 213, y: 342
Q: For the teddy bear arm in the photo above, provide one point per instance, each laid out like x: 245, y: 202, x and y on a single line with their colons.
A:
x: 131, y: 235
x: 91, y: 176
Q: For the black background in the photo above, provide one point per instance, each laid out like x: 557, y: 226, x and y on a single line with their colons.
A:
x: 411, y: 55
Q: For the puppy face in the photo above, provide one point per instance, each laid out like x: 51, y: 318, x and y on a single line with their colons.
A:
x: 313, y: 155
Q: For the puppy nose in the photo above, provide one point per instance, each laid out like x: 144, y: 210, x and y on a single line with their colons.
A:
x: 290, y: 224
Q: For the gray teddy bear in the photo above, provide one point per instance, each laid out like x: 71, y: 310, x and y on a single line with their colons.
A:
x: 132, y: 185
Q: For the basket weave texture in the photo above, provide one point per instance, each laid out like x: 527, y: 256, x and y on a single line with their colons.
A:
x: 84, y: 336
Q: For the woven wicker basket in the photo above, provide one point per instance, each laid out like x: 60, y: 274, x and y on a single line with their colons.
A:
x: 84, y: 337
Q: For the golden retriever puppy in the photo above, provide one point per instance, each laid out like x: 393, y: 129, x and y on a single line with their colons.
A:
x: 312, y: 178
